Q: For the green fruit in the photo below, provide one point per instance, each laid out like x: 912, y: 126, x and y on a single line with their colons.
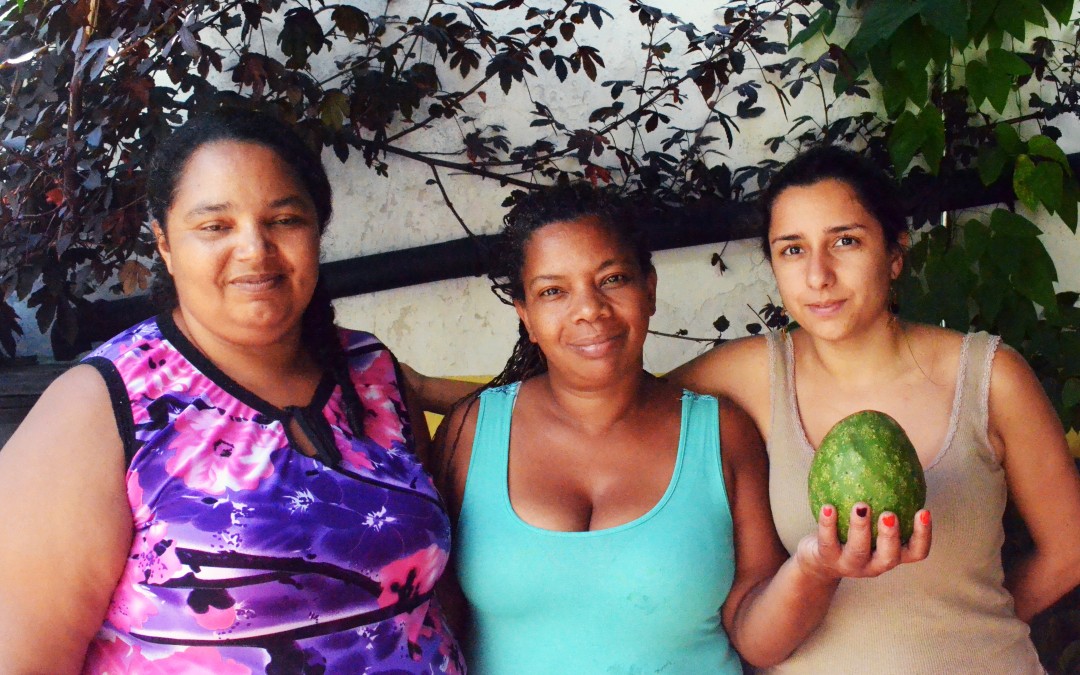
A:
x: 867, y: 457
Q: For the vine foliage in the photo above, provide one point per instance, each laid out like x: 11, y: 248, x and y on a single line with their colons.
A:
x: 936, y: 89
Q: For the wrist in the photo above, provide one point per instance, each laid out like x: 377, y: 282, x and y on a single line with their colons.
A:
x: 814, y: 570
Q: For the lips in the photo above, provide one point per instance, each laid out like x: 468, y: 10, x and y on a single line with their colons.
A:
x: 825, y: 308
x: 596, y: 346
x: 257, y: 283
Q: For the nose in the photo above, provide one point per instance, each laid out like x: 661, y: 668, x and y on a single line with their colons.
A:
x: 590, y: 304
x: 819, y: 270
x: 254, y: 241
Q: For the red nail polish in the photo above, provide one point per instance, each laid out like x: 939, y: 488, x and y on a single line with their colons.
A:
x: 827, y: 511
x: 861, y: 511
x: 925, y: 517
x: 889, y: 520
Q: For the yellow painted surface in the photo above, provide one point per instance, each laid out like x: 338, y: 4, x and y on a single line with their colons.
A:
x: 434, y: 420
x: 1074, y: 443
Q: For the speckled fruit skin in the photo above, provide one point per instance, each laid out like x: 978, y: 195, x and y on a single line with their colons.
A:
x: 867, y: 457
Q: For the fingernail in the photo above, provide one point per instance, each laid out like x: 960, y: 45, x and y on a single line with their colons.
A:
x: 826, y: 511
x: 925, y: 517
x: 860, y: 511
x: 889, y: 520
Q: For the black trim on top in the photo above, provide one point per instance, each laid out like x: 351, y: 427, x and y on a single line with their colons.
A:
x: 121, y: 403
x: 304, y: 632
x: 171, y: 332
x: 196, y: 560
x: 317, y: 430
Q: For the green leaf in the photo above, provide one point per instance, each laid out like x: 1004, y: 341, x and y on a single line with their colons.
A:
x: 334, y: 108
x: 1061, y: 10
x: 1047, y: 184
x: 1008, y: 139
x: 1006, y: 223
x: 976, y: 239
x: 1004, y: 61
x: 905, y: 139
x: 817, y: 22
x: 1023, y: 175
x: 1070, y: 393
x: 1070, y: 195
x: 989, y: 295
x: 948, y: 16
x: 879, y: 22
x: 998, y: 87
x: 933, y: 146
x: 1035, y: 276
x: 978, y: 76
x: 1043, y: 146
x: 982, y: 12
x: 991, y: 161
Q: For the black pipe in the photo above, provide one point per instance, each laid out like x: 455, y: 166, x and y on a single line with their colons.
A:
x: 708, y: 221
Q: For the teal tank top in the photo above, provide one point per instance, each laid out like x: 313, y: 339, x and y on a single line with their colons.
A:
x: 643, y: 597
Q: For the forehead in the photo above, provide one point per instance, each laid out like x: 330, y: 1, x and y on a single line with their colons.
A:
x: 826, y: 204
x: 221, y: 165
x: 571, y: 241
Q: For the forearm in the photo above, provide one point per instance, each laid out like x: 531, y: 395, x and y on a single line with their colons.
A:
x: 1040, y: 579
x: 436, y: 394
x: 779, y: 614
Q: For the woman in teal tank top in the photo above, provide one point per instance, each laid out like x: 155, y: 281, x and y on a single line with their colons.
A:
x: 607, y: 521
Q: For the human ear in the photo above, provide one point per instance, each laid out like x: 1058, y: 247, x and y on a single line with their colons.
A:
x: 650, y: 285
x: 896, y: 264
x: 519, y: 307
x: 162, y: 241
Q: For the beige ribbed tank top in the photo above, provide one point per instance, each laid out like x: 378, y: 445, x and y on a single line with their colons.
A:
x: 947, y: 614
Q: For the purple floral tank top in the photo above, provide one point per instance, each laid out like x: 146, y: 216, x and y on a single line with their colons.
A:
x: 251, y: 557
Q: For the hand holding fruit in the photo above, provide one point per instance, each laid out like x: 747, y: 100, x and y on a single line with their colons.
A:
x: 866, y: 462
x: 823, y: 555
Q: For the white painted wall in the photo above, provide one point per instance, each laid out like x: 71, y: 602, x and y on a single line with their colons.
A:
x: 458, y: 327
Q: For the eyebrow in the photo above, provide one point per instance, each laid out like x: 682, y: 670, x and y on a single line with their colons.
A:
x: 543, y: 278
x: 836, y: 229
x: 221, y: 207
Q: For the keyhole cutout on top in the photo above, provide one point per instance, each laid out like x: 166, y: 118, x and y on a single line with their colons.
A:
x: 300, y: 440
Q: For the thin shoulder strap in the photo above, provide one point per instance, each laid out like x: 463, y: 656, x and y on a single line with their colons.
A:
x: 491, y: 440
x: 981, y: 348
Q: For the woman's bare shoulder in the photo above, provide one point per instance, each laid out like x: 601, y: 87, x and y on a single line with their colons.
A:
x: 62, y: 474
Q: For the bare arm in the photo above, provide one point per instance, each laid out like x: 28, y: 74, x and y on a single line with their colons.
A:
x: 436, y: 394
x: 737, y: 370
x: 776, y: 602
x: 66, y: 528
x: 1042, y: 481
x: 453, y: 442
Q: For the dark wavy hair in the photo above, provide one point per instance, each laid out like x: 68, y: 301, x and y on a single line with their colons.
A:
x: 318, y: 330
x: 531, y: 211
x: 875, y: 189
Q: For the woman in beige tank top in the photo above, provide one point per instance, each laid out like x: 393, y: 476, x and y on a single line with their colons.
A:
x: 976, y: 414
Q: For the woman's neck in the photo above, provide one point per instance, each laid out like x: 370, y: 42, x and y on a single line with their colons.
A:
x: 596, y: 409
x: 277, y: 372
x: 882, y: 350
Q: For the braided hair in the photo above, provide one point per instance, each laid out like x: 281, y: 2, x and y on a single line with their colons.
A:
x: 566, y: 201
x: 319, y: 333
x: 531, y: 212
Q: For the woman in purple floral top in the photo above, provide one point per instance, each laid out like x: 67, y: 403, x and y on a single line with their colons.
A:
x: 273, y: 516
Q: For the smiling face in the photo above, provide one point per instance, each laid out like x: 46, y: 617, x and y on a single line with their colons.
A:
x: 242, y: 245
x: 830, y: 259
x: 586, y: 300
